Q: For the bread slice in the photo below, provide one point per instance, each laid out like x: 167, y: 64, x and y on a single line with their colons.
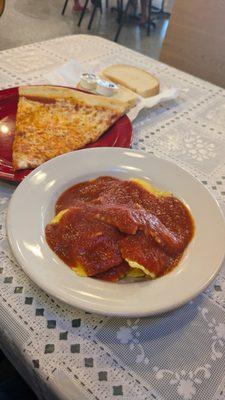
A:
x: 133, y: 78
x: 123, y: 94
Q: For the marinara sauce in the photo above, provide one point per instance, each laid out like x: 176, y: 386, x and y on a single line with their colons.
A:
x: 109, y: 221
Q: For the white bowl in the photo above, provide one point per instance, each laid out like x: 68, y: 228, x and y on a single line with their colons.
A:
x: 32, y: 207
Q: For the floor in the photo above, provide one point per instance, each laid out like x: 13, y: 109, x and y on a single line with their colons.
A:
x: 12, y: 386
x: 28, y: 21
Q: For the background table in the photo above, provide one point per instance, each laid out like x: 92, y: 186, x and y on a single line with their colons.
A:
x: 69, y: 354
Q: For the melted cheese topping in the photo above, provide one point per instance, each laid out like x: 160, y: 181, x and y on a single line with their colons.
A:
x: 147, y: 186
x: 58, y: 217
x: 135, y: 273
x: 46, y: 130
x: 134, y: 264
x: 79, y: 269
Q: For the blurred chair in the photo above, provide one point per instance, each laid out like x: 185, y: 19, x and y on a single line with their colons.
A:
x: 195, y: 39
x: 2, y: 6
x: 153, y: 14
x: 96, y: 4
x: 64, y: 7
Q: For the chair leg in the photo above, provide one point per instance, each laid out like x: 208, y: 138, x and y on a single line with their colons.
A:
x: 82, y: 13
x: 96, y: 5
x: 2, y: 7
x: 117, y: 9
x: 162, y: 6
x: 100, y: 5
x: 149, y: 16
x: 120, y: 10
x: 122, y: 18
x: 64, y: 7
x: 107, y: 4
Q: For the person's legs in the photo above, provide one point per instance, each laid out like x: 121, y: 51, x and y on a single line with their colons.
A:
x: 134, y: 5
x: 143, y: 12
x: 77, y: 6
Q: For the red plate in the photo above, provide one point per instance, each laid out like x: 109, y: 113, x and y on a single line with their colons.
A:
x: 119, y: 135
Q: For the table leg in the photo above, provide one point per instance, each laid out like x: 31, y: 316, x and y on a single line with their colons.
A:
x: 149, y: 16
x: 64, y: 7
x: 100, y: 5
x: 96, y: 5
x: 122, y: 18
x: 82, y: 13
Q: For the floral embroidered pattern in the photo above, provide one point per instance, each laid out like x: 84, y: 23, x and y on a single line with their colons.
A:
x: 186, y: 382
x: 217, y: 115
x: 218, y: 334
x: 192, y: 145
x: 172, y: 143
x: 125, y: 335
x: 198, y: 149
x: 130, y: 335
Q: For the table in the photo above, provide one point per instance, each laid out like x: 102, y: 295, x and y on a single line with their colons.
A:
x: 65, y: 353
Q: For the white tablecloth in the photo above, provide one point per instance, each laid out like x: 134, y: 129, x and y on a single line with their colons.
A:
x: 66, y: 353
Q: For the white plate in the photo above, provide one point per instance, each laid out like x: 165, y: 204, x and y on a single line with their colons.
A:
x: 32, y: 207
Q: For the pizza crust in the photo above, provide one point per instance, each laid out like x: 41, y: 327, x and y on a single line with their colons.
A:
x: 56, y: 92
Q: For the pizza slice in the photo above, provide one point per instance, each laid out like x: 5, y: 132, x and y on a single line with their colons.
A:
x: 51, y: 121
